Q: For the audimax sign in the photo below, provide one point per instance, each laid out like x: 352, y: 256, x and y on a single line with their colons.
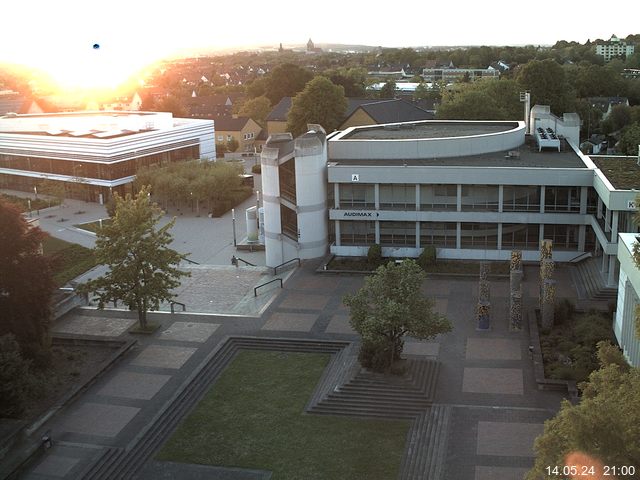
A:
x: 364, y: 214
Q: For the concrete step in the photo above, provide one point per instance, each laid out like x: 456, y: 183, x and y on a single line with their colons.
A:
x: 328, y: 409
x: 593, y: 281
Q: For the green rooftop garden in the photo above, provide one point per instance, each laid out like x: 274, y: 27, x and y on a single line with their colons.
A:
x: 622, y: 172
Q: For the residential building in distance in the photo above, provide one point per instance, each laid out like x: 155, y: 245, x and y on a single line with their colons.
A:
x: 243, y: 129
x: 615, y: 48
x: 457, y: 74
x: 14, y: 102
x: 96, y: 153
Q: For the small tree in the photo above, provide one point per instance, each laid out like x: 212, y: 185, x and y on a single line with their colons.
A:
x: 142, y: 268
x: 16, y: 378
x: 232, y: 145
x: 320, y: 102
x: 257, y: 109
x: 389, y: 306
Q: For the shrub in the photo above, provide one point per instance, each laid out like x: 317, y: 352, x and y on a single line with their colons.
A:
x: 374, y: 255
x: 257, y: 169
x: 592, y: 328
x: 375, y: 356
x: 427, y: 257
x: 564, y: 311
x: 16, y: 379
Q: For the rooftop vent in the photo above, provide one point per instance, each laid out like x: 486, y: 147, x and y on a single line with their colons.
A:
x: 512, y: 154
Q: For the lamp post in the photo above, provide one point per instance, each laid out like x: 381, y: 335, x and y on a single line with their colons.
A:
x: 233, y: 225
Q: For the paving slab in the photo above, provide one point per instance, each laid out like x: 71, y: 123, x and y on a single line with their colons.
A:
x: 493, y: 380
x: 161, y: 356
x: 322, y: 283
x: 305, y: 301
x: 500, y: 473
x: 140, y: 386
x: 98, y: 419
x: 507, y: 439
x: 339, y: 324
x: 96, y: 326
x: 189, y: 331
x: 441, y: 305
x: 291, y: 322
x: 493, y: 349
x: 55, y: 466
x: 428, y: 349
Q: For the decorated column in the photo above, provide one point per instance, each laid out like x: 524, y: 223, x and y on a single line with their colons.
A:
x: 548, y: 303
x: 484, y: 299
x: 515, y: 290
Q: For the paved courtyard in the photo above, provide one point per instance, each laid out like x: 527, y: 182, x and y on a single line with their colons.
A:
x: 486, y: 377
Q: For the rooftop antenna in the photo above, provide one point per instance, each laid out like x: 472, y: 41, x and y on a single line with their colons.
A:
x: 525, y: 97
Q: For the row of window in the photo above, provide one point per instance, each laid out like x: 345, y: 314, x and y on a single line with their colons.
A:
x: 245, y: 136
x: 444, y: 235
x: 472, y: 197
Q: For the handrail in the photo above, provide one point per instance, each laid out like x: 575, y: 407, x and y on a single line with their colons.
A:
x: 172, y: 303
x: 577, y: 258
x: 235, y: 260
x: 275, y: 269
x: 255, y: 290
x: 190, y: 261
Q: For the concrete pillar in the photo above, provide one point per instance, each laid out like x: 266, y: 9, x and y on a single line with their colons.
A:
x: 459, y: 198
x: 337, y: 231
x: 582, y: 235
x: 500, y: 202
x: 599, y: 209
x: 417, y: 234
x: 458, y: 235
x: 541, y: 235
x: 607, y: 221
x: 483, y: 319
x: 584, y: 191
x: 548, y: 303
x: 417, y: 197
x: 542, y: 194
x: 614, y: 226
x: 378, y: 232
x: 499, y: 236
x: 336, y: 195
x: 611, y: 276
x: 605, y: 261
x: 376, y: 196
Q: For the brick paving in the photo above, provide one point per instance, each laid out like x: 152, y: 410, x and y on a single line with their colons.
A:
x: 485, y: 378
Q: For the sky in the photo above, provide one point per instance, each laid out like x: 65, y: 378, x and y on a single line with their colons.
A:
x: 58, y: 36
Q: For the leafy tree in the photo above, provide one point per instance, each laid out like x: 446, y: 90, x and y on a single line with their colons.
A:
x: 388, y: 90
x: 630, y: 139
x: 16, y: 378
x: 320, y: 102
x: 548, y: 85
x: 602, y: 428
x: 389, y: 306
x: 232, y: 144
x: 286, y: 80
x: 619, y: 118
x: 490, y: 100
x: 257, y: 109
x: 142, y: 268
x: 171, y: 104
x: 26, y: 283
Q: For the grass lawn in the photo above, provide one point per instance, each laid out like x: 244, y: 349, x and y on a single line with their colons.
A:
x: 93, y: 226
x: 253, y: 418
x: 71, y: 259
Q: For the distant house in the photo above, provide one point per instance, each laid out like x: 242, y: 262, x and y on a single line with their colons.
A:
x: 13, y: 102
x: 376, y: 112
x: 606, y: 104
x: 211, y: 106
x: 277, y: 118
x: 614, y: 48
x: 243, y: 129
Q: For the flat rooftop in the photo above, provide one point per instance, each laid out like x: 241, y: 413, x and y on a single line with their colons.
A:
x: 432, y: 129
x: 529, y: 157
x: 622, y: 172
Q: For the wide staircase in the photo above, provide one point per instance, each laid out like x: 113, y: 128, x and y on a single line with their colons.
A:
x: 593, y: 282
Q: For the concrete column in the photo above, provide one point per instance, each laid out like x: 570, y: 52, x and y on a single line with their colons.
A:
x: 582, y: 234
x: 376, y: 196
x: 500, y: 202
x: 378, y: 232
x: 458, y: 235
x: 607, y: 221
x: 417, y: 234
x: 605, y: 260
x: 599, y: 210
x: 611, y: 277
x: 459, y: 198
x: 583, y: 199
x: 541, y: 236
x: 336, y: 194
x: 542, y: 193
x: 614, y: 226
x: 499, y: 236
x: 417, y: 197
x: 337, y: 230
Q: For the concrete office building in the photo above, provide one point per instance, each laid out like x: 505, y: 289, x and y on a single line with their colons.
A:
x: 624, y: 325
x: 473, y: 189
x: 95, y: 153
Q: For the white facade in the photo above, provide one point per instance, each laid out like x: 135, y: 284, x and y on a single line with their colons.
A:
x: 615, y: 48
x: 624, y: 325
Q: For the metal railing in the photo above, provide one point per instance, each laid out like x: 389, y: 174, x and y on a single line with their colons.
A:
x: 580, y: 257
x: 255, y: 290
x: 275, y: 269
x: 172, y: 303
x: 190, y: 261
x: 235, y: 260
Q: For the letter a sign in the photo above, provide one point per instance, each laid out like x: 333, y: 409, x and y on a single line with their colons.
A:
x: 355, y: 177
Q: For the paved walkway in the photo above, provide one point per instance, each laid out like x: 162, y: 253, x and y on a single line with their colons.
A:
x: 486, y: 377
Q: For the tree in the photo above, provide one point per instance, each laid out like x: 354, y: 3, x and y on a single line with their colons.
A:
x: 320, y: 102
x: 142, y: 268
x: 389, y: 306
x: 602, y: 428
x: 232, y: 144
x: 16, y: 377
x: 257, y: 109
x: 546, y: 81
x: 630, y: 140
x: 488, y: 100
x: 286, y: 80
x: 388, y: 90
x: 26, y: 283
x: 171, y: 104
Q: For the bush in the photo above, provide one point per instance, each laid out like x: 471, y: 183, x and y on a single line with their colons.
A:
x: 376, y: 356
x: 427, y: 257
x: 257, y: 169
x: 564, y: 311
x: 16, y: 379
x: 374, y: 255
x: 592, y: 328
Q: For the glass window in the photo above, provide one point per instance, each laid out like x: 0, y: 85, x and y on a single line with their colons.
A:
x: 564, y: 237
x: 521, y: 198
x: 438, y: 234
x: 353, y: 232
x: 398, y: 234
x: 354, y: 195
x: 562, y: 199
x: 520, y: 236
x: 480, y: 197
x: 398, y: 196
x: 479, y: 235
x: 438, y: 197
